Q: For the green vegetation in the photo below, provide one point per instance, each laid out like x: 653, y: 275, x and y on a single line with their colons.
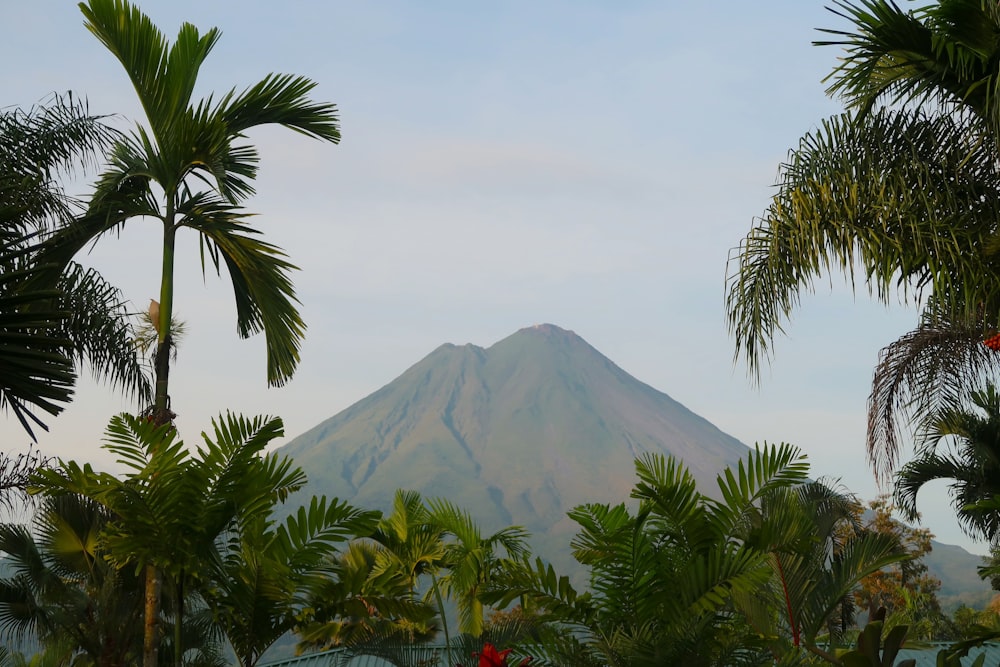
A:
x: 187, y: 170
x: 189, y: 553
x: 902, y: 189
x: 765, y: 573
x: 51, y: 321
x: 759, y: 576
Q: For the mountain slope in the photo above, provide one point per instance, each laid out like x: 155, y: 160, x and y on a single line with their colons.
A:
x: 518, y: 433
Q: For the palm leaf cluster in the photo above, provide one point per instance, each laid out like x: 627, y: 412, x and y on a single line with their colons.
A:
x: 687, y: 579
x: 963, y: 446
x: 900, y: 194
x: 62, y: 592
x: 391, y: 588
x: 53, y: 318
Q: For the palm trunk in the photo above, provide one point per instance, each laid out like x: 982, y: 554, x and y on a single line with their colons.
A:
x: 161, y: 415
x: 161, y: 404
x: 179, y: 621
x: 444, y: 619
x: 151, y: 627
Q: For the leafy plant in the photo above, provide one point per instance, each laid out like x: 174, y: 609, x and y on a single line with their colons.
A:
x: 875, y: 651
x: 904, y: 190
x: 205, y: 521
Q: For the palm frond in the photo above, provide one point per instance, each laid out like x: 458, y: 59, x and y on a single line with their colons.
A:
x: 163, y: 75
x: 265, y: 297
x: 939, y: 54
x: 907, y: 198
x: 102, y: 333
x: 37, y: 371
x: 923, y: 372
x: 39, y: 145
x: 963, y: 446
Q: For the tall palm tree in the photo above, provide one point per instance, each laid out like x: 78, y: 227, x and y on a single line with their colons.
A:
x: 53, y: 321
x: 971, y: 462
x: 189, y: 169
x: 904, y: 190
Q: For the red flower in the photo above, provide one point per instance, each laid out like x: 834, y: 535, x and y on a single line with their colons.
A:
x: 491, y: 657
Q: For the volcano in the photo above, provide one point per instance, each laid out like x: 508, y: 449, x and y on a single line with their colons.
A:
x: 516, y: 434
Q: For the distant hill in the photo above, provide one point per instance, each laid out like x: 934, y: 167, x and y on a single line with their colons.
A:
x: 960, y: 582
x: 521, y: 432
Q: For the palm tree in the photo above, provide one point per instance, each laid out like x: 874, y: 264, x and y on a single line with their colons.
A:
x: 364, y: 604
x: 190, y: 154
x: 174, y: 512
x: 904, y: 189
x: 188, y: 169
x: 52, y: 321
x: 63, y: 592
x: 818, y: 553
x: 372, y: 604
x: 748, y: 579
x: 662, y: 578
x: 471, y: 560
x: 972, y: 464
x: 268, y: 573
x: 409, y: 543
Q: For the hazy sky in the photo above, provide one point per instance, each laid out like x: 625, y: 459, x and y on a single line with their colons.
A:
x: 588, y: 164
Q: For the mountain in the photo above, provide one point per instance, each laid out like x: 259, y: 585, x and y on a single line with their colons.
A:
x: 517, y: 433
x: 521, y: 432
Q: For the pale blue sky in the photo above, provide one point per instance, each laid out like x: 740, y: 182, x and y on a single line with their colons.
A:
x: 588, y: 164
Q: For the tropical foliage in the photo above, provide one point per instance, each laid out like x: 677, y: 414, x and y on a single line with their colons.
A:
x: 687, y: 579
x: 905, y: 590
x: 904, y: 190
x: 189, y: 550
x: 963, y: 446
x: 52, y: 321
x: 63, y: 592
x: 391, y: 588
x: 189, y: 169
x: 205, y: 521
